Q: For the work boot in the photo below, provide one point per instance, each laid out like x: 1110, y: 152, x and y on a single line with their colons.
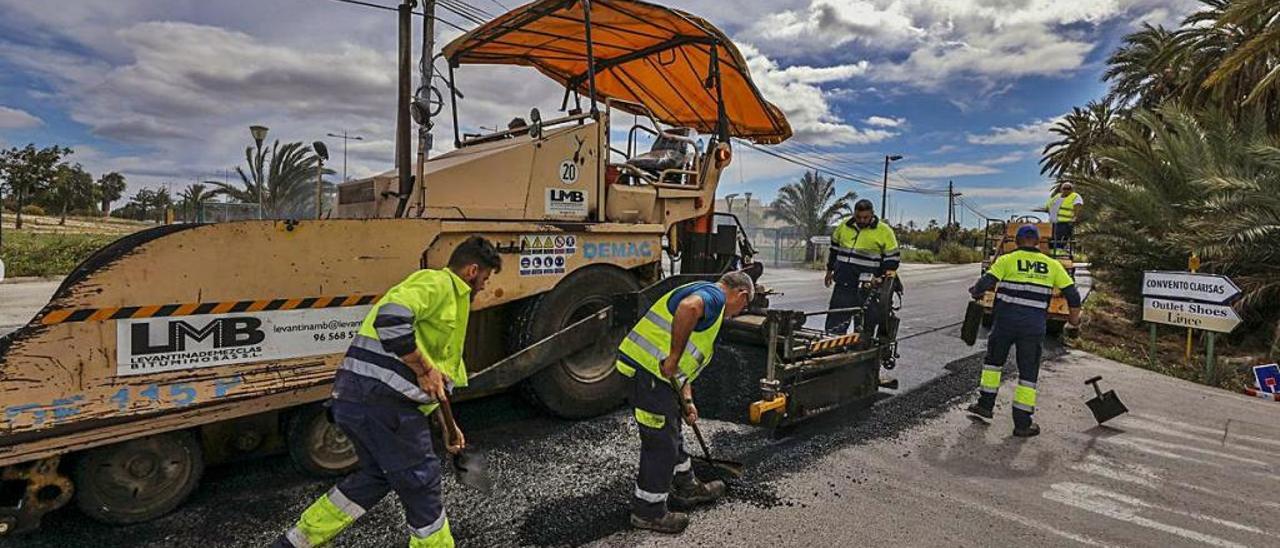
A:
x: 978, y: 411
x: 1027, y: 431
x: 671, y: 523
x: 687, y: 491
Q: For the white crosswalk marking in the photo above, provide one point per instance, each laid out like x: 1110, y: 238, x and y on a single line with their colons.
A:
x: 1125, y: 508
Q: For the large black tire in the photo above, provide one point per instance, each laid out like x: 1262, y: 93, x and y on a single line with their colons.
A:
x: 318, y: 447
x: 584, y: 384
x: 138, y: 480
x: 1053, y: 328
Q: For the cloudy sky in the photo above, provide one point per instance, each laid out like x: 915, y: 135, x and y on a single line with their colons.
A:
x: 164, y: 90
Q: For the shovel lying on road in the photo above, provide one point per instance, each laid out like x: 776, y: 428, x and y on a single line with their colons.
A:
x: 1105, y: 406
x: 471, y: 469
x: 733, y: 468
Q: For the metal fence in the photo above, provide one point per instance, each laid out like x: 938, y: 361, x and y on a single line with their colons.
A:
x: 782, y: 246
x: 220, y: 213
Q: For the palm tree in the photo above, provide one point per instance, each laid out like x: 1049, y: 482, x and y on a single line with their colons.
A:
x: 811, y: 206
x: 192, y: 200
x: 1181, y: 182
x: 286, y: 183
x: 1249, y: 75
x: 1081, y: 131
x: 110, y: 187
x: 1145, y: 69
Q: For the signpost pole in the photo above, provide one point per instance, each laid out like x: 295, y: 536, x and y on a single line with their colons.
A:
x: 1193, y: 264
x: 1208, y: 362
x: 1151, y: 355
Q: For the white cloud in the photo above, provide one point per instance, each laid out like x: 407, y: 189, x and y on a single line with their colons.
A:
x: 1035, y: 132
x: 12, y: 118
x: 944, y: 149
x: 885, y: 121
x: 1009, y: 158
x: 941, y: 171
x: 795, y: 90
x: 926, y: 43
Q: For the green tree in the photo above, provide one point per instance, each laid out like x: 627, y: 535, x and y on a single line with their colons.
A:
x: 1146, y: 69
x: 110, y: 187
x: 72, y: 188
x: 1079, y: 133
x: 811, y: 206
x: 287, y: 183
x: 1183, y: 182
x: 28, y: 171
x: 192, y: 199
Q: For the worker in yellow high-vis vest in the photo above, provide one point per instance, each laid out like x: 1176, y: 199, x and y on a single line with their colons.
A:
x: 1064, y: 208
x: 1024, y: 280
x: 673, y: 342
x: 406, y: 357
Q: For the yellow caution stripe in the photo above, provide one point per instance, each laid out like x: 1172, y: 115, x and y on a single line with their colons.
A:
x: 834, y: 342
x: 70, y: 315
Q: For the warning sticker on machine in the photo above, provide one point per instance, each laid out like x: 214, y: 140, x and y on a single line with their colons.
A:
x: 542, y: 254
x: 566, y: 203
x: 158, y: 345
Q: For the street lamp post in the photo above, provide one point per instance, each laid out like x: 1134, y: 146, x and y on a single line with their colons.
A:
x: 747, y: 224
x: 322, y: 154
x: 728, y: 200
x: 884, y: 193
x: 259, y: 135
x: 345, y: 137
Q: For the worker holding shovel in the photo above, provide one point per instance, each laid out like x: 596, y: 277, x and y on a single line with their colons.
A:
x: 669, y: 347
x: 399, y: 368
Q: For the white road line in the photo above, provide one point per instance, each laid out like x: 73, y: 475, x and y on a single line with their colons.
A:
x: 1010, y: 516
x: 1217, y: 432
x: 1164, y: 430
x: 1107, y: 468
x: 1149, y: 450
x: 1219, y: 454
x: 1092, y: 499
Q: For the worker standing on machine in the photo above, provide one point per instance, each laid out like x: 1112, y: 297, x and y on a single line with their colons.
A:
x: 406, y: 357
x: 862, y: 248
x: 669, y: 347
x: 1063, y: 207
x: 1024, y: 280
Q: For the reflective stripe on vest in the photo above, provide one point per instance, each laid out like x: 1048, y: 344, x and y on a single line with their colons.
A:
x: 649, y: 342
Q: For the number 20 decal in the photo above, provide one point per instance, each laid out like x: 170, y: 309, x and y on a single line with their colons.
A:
x: 568, y: 172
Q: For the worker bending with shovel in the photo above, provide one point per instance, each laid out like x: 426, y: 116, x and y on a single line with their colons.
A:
x: 406, y: 358
x: 662, y: 355
x: 1024, y: 280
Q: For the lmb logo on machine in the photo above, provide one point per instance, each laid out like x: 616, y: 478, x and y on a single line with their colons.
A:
x: 185, y: 343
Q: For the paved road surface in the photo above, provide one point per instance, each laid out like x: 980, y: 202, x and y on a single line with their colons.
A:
x: 1190, y: 466
x: 19, y: 301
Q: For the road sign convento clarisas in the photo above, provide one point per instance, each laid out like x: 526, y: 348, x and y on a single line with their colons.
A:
x: 1189, y: 300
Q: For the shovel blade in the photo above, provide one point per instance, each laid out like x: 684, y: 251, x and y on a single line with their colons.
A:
x: 473, y: 471
x: 972, y: 321
x: 1106, y: 407
x: 732, y: 468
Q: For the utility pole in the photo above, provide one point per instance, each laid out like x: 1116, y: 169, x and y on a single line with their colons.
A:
x: 345, y: 137
x: 403, y: 168
x: 884, y: 193
x: 951, y: 206
x: 427, y: 68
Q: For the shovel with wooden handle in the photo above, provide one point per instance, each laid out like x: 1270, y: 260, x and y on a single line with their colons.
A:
x: 733, y: 468
x: 471, y: 470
